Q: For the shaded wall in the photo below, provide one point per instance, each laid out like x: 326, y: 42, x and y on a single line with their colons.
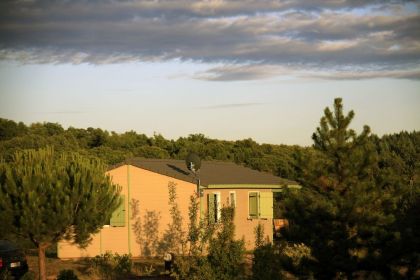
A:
x: 151, y: 191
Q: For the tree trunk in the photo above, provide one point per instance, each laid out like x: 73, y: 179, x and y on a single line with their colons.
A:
x: 41, y: 261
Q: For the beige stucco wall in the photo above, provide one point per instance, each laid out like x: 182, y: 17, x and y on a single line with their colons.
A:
x: 151, y: 190
x: 244, y: 226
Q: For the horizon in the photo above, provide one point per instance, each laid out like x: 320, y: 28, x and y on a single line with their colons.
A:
x: 206, y: 136
x: 229, y: 70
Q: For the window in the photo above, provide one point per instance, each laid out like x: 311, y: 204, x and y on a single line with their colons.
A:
x: 260, y: 205
x: 118, y: 217
x: 213, y: 204
x: 253, y: 205
x: 232, y: 199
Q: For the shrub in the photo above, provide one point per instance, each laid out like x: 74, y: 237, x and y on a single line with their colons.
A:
x: 226, y: 255
x: 279, y: 260
x: 193, y: 265
x: 259, y: 235
x: 5, y: 275
x: 67, y: 274
x: 30, y: 275
x: 112, y: 266
x: 266, y: 263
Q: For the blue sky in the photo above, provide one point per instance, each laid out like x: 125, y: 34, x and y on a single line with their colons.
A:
x: 227, y: 69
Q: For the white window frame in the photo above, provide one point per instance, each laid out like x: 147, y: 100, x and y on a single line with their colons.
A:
x: 218, y: 204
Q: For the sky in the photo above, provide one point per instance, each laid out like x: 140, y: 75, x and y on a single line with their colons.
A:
x: 229, y: 69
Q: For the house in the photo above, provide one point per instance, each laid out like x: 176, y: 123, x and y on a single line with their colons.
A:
x: 144, y: 184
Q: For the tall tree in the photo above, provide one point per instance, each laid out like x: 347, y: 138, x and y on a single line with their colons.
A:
x: 47, y: 197
x: 340, y: 213
x: 399, y: 161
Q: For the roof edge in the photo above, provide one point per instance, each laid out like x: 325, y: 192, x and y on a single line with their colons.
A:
x: 251, y: 186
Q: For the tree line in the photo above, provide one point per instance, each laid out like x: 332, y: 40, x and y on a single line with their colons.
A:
x: 398, y: 150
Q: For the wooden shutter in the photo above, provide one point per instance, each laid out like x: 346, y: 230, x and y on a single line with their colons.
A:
x: 211, y: 200
x: 118, y: 217
x: 253, y: 205
x: 266, y: 205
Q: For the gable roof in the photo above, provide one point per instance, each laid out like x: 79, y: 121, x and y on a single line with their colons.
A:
x: 211, y: 172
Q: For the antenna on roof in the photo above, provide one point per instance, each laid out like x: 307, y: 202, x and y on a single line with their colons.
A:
x: 193, y: 163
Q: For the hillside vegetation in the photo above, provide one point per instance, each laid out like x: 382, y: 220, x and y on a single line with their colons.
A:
x: 398, y: 152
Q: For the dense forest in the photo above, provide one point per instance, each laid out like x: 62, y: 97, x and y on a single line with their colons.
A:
x: 113, y: 148
x: 397, y: 152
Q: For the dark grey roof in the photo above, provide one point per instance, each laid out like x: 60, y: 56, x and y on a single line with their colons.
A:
x: 211, y: 172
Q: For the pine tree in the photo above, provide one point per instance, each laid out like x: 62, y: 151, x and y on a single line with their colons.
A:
x: 340, y: 212
x: 399, y: 161
x: 45, y: 197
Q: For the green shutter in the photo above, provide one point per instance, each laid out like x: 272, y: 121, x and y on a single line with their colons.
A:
x: 211, y: 199
x: 118, y: 217
x: 253, y: 205
x: 266, y: 205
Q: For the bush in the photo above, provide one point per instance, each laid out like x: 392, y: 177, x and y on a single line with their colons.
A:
x: 112, y: 266
x: 266, y: 263
x: 226, y: 255
x: 5, y: 275
x: 67, y: 274
x: 278, y: 261
x: 30, y: 275
x: 193, y: 268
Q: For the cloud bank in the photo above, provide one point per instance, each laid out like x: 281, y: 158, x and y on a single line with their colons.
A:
x: 252, y: 39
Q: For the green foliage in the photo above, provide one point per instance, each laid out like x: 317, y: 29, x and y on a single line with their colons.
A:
x: 193, y: 267
x: 114, y: 148
x: 347, y: 158
x: 226, y: 255
x: 348, y: 212
x: 10, y: 129
x: 67, y: 274
x: 259, y: 235
x: 193, y: 264
x: 150, y: 152
x: 6, y: 275
x: 106, y: 154
x: 277, y: 261
x: 112, y: 266
x: 266, y: 263
x: 30, y: 275
x: 46, y: 197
